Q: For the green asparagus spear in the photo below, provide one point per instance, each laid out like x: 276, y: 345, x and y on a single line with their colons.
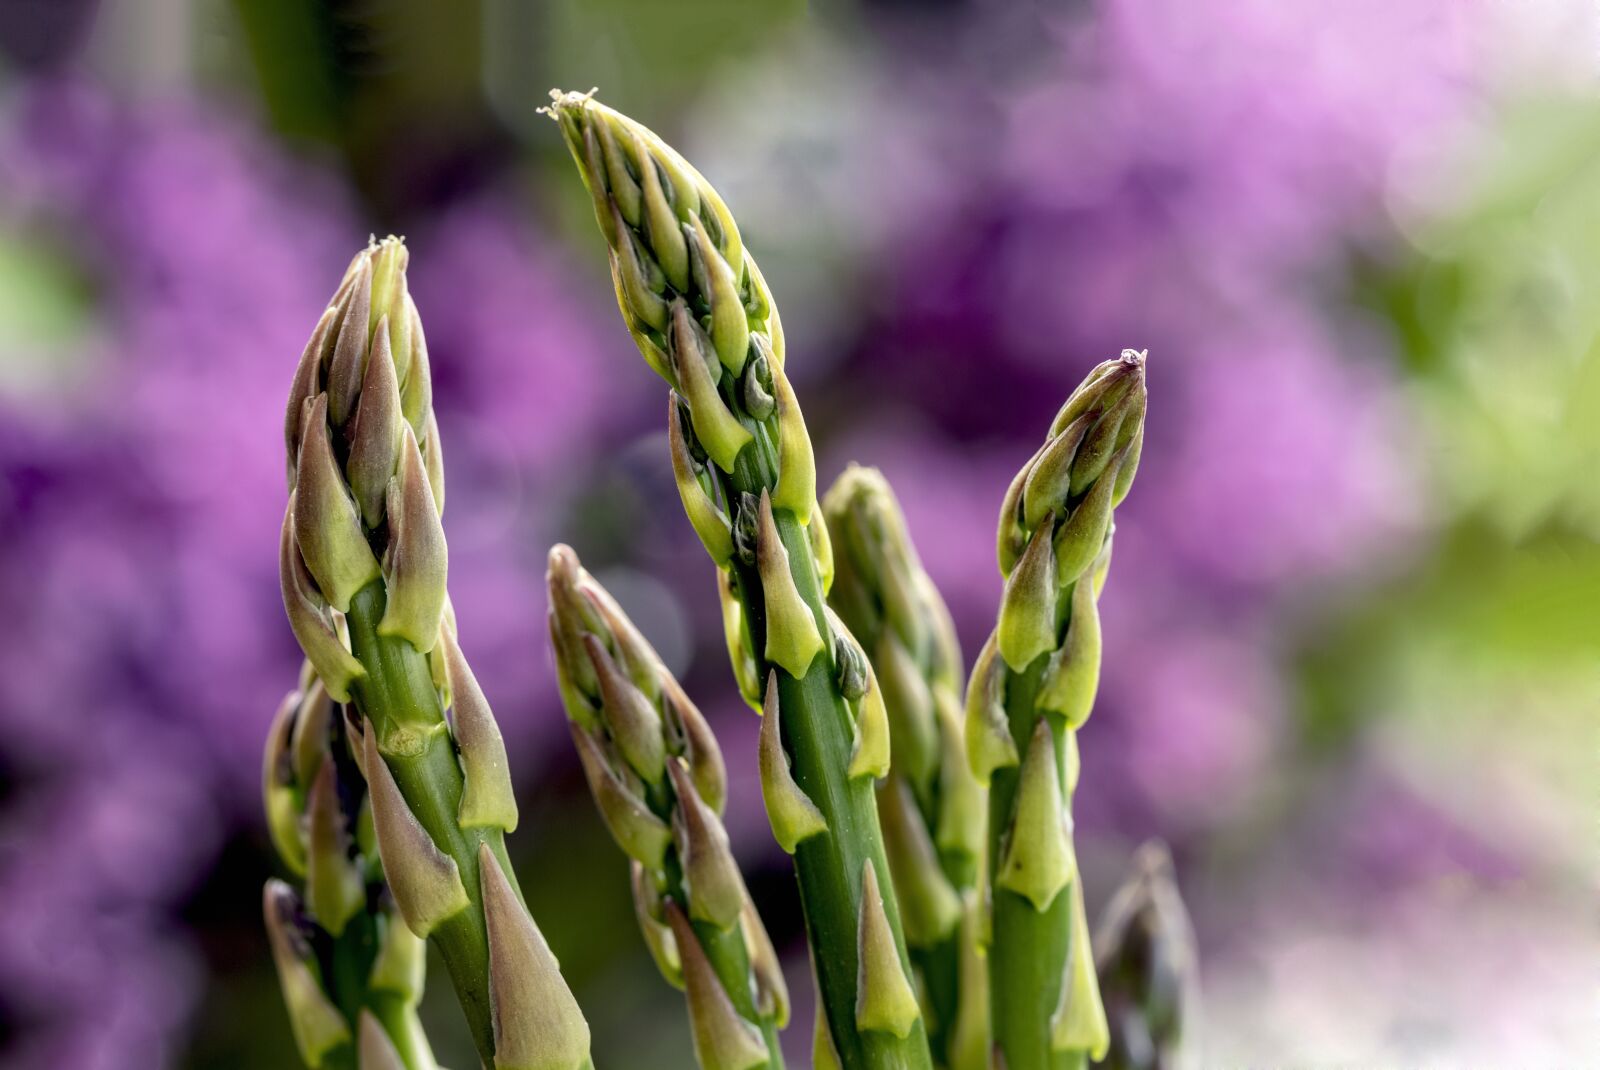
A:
x: 933, y: 810
x: 351, y: 971
x: 363, y: 568
x: 1145, y: 954
x: 697, y: 307
x: 659, y: 780
x: 1031, y: 689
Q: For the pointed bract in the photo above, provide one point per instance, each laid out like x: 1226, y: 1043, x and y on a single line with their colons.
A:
x: 1083, y: 536
x: 929, y: 905
x: 641, y: 834
x: 649, y: 909
x: 417, y: 563
x: 797, y: 467
x: 537, y: 1023
x: 306, y: 385
x: 988, y: 737
x: 632, y: 719
x: 772, y: 992
x: 718, y: 430
x: 487, y: 797
x: 824, y: 1054
x: 722, y: 1039
x: 794, y: 817
x: 1073, y: 676
x: 327, y: 526
x: 277, y: 787
x: 913, y: 730
x: 710, y: 523
x: 375, y: 1051
x: 308, y: 618
x: 885, y: 1000
x: 1038, y: 860
x: 317, y: 1025
x: 401, y: 964
x: 425, y: 881
x: 375, y: 438
x: 871, y: 755
x: 1027, y: 625
x: 335, y: 891
x: 700, y: 750
x: 792, y: 637
x: 711, y: 877
x: 1079, y: 1021
x: 745, y: 671
x: 347, y: 363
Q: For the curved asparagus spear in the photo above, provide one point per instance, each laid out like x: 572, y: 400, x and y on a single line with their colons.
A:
x: 701, y: 315
x: 659, y: 780
x: 1145, y: 954
x: 351, y: 971
x: 363, y: 569
x: 1032, y: 688
x: 933, y: 810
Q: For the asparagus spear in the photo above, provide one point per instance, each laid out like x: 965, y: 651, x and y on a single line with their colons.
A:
x: 933, y: 810
x: 350, y: 970
x: 658, y: 777
x: 700, y: 313
x: 363, y: 569
x: 1145, y: 954
x: 1032, y: 688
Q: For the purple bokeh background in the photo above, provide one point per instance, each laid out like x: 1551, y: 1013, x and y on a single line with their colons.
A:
x: 1139, y: 174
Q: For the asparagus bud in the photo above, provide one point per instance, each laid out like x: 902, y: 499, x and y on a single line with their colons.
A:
x: 347, y: 963
x: 364, y: 570
x: 659, y: 782
x: 1145, y: 955
x: 932, y: 808
x: 1031, y: 690
x: 696, y: 305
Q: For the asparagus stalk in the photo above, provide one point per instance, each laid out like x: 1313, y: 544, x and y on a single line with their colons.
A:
x: 350, y: 970
x: 700, y: 313
x: 932, y: 809
x: 364, y: 569
x: 1145, y: 955
x: 1032, y: 688
x: 658, y: 778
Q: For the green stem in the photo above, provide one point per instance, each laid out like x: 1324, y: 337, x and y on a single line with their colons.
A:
x: 1028, y: 954
x: 817, y: 736
x: 398, y: 698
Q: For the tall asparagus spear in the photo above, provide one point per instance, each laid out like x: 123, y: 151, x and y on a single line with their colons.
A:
x: 1145, y: 953
x: 363, y: 569
x: 701, y: 315
x: 933, y: 810
x: 1032, y: 688
x: 351, y: 971
x: 658, y: 777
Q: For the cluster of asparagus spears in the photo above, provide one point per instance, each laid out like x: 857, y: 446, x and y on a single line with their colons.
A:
x: 931, y: 833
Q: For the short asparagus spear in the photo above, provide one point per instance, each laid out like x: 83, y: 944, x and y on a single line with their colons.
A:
x: 1145, y: 954
x: 351, y: 971
x: 1032, y: 688
x: 363, y: 568
x: 658, y: 777
x: 700, y: 313
x: 933, y: 810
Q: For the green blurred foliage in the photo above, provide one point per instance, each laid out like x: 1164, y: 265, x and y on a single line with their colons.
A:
x: 1470, y: 665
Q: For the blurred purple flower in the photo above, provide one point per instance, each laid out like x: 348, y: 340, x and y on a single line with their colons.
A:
x: 138, y: 531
